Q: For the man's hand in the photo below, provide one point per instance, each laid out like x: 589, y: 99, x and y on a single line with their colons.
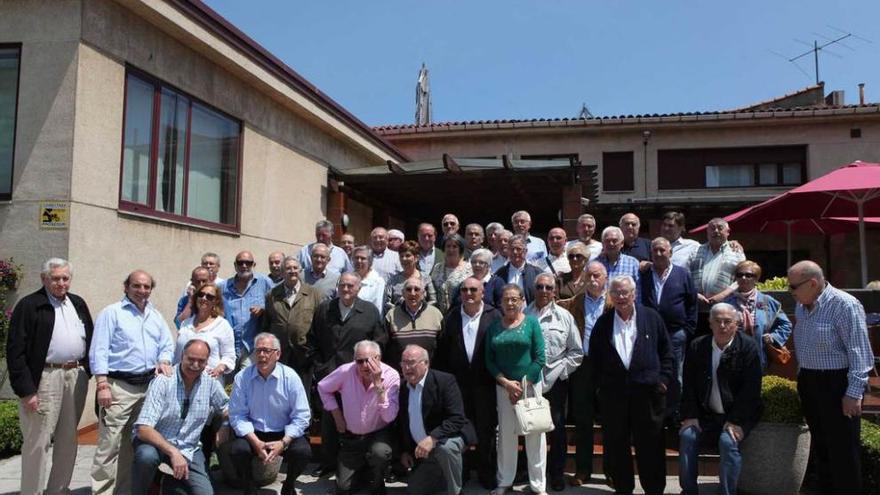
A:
x: 163, y: 368
x: 687, y: 423
x: 852, y: 408
x: 407, y: 460
x: 31, y: 402
x: 375, y: 371
x: 256, y: 311
x: 273, y: 450
x: 180, y: 465
x: 105, y: 398
x: 259, y: 448
x: 703, y: 299
x: 735, y: 246
x: 645, y: 265
x: 734, y: 431
x: 661, y: 388
x: 218, y: 371
x: 424, y: 448
x: 339, y: 420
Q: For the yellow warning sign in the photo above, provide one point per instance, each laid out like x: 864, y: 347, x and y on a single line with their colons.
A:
x: 54, y: 215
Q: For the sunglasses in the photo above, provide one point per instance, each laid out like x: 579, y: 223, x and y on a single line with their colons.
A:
x: 362, y: 360
x: 745, y: 275
x: 576, y: 256
x: 205, y: 295
x: 793, y: 287
x: 244, y: 263
x: 548, y: 288
x: 447, y: 224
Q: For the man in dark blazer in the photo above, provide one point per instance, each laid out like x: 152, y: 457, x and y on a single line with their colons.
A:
x: 668, y: 288
x: 429, y: 254
x: 49, y: 336
x: 460, y: 352
x: 516, y: 270
x: 633, y: 367
x: 434, y: 432
x: 338, y: 324
x: 721, y: 401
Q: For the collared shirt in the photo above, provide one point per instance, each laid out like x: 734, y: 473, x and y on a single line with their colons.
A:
x: 470, y: 325
x: 659, y: 281
x: 682, y: 250
x: 373, y: 290
x: 563, y: 349
x: 515, y: 275
x: 715, y: 403
x: 714, y: 272
x: 290, y: 293
x: 324, y: 282
x: 426, y: 261
x: 497, y: 262
x: 127, y: 340
x: 338, y: 264
x: 344, y: 310
x: 363, y: 411
x: 272, y: 404
x: 536, y: 249
x: 386, y: 263
x: 625, y: 265
x: 834, y: 335
x: 165, y: 402
x: 625, y: 337
x: 414, y: 407
x: 218, y: 334
x: 68, y: 335
x: 559, y: 264
x: 640, y: 249
x: 238, y: 309
x: 593, y: 309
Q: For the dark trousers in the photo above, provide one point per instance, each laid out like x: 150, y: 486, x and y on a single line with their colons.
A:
x: 481, y: 411
x: 583, y: 409
x: 834, y: 440
x: 296, y: 456
x: 632, y: 415
x: 329, y: 441
x: 356, y: 451
x: 557, y: 395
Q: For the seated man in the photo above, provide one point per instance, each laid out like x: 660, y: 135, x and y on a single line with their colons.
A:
x: 721, y: 401
x: 269, y: 413
x: 175, y: 411
x: 433, y: 428
x: 369, y: 392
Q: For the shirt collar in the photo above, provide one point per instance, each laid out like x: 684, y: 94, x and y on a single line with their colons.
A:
x: 476, y: 315
x: 716, y: 348
x: 54, y: 301
x: 595, y: 300
x: 128, y: 302
x: 276, y: 373
x: 421, y: 383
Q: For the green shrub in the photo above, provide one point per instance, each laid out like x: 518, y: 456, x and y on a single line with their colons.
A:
x: 775, y: 283
x: 870, y: 458
x: 781, y: 401
x: 10, y: 430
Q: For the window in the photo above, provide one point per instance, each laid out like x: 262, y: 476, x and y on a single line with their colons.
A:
x: 756, y: 166
x: 180, y: 158
x: 791, y: 174
x: 617, y: 171
x: 10, y: 58
x: 730, y: 176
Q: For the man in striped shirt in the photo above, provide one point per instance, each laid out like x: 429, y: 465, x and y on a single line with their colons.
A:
x: 713, y: 266
x: 831, y: 342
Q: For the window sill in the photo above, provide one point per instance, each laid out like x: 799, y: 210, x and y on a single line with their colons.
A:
x: 180, y: 223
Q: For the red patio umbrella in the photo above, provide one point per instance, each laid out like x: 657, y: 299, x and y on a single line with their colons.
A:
x: 851, y: 191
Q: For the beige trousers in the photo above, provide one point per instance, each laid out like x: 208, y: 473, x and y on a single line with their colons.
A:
x: 62, y: 395
x: 111, y: 468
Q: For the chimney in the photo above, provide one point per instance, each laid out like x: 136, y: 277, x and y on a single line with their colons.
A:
x: 861, y: 93
x: 835, y: 98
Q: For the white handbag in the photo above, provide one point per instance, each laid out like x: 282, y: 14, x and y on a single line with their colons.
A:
x: 532, y: 413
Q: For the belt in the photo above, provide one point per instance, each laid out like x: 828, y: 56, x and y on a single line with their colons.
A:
x: 64, y: 366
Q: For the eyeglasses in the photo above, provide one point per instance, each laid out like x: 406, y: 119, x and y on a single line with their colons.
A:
x: 469, y: 290
x: 745, y: 275
x: 205, y: 295
x: 621, y: 293
x: 448, y: 224
x: 244, y: 263
x: 576, y: 257
x: 548, y: 288
x: 793, y: 287
x: 264, y: 350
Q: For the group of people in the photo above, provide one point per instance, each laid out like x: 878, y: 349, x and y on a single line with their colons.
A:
x: 397, y: 344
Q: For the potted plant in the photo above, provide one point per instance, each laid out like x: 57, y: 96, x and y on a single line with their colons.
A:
x: 775, y: 454
x: 10, y: 274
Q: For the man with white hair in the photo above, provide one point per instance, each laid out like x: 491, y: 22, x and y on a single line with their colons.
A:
x: 615, y: 262
x: 586, y: 227
x: 555, y: 262
x: 633, y: 245
x: 395, y: 239
x: 337, y: 262
x: 633, y: 367
x: 500, y: 258
x: 449, y: 225
x: 713, y: 270
x: 368, y: 390
x: 385, y: 261
x: 522, y: 223
x: 49, y: 335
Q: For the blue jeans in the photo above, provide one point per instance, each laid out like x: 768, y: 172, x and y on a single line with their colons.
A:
x: 147, y: 459
x: 689, y: 449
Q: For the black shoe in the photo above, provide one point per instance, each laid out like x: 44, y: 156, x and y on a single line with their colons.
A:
x: 287, y: 488
x: 324, y: 471
x: 557, y: 484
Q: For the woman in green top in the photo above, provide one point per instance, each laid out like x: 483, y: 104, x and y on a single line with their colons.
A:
x: 515, y: 349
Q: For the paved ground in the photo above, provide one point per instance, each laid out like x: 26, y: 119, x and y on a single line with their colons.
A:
x: 10, y: 472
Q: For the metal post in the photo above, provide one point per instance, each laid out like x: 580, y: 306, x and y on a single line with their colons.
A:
x: 862, y: 254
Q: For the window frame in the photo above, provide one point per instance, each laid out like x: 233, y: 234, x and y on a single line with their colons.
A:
x: 14, y: 46
x: 756, y: 175
x: 149, y: 209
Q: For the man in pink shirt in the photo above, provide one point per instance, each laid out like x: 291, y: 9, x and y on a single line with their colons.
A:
x: 369, y: 392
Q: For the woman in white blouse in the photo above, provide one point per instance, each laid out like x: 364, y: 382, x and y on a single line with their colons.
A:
x: 208, y: 324
x: 372, y: 284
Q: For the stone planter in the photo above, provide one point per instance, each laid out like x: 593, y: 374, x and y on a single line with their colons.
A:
x: 263, y: 474
x: 774, y: 459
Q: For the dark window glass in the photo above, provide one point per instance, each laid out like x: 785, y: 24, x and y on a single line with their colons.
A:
x: 137, y: 141
x: 617, y: 171
x: 9, y: 66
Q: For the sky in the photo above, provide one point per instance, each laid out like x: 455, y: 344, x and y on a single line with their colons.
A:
x: 518, y: 59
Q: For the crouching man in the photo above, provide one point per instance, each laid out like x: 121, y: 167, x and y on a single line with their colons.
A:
x: 434, y: 431
x: 721, y: 399
x: 175, y: 411
x: 269, y: 413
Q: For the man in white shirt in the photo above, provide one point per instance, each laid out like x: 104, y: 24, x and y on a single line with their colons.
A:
x: 555, y: 262
x: 586, y: 228
x: 672, y: 228
x: 522, y: 223
x: 385, y: 261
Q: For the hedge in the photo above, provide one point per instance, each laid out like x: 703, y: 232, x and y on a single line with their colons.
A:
x: 870, y: 458
x: 10, y: 430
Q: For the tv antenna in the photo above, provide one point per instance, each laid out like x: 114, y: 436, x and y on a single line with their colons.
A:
x: 816, y: 47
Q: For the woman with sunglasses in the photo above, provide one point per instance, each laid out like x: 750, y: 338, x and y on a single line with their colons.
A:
x: 762, y: 315
x: 574, y: 282
x: 515, y: 350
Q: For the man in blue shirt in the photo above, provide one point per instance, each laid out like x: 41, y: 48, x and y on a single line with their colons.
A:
x: 130, y: 345
x: 168, y: 429
x: 633, y: 245
x: 199, y: 278
x: 244, y: 299
x: 269, y: 413
x: 522, y: 223
x: 338, y: 263
x: 615, y: 262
